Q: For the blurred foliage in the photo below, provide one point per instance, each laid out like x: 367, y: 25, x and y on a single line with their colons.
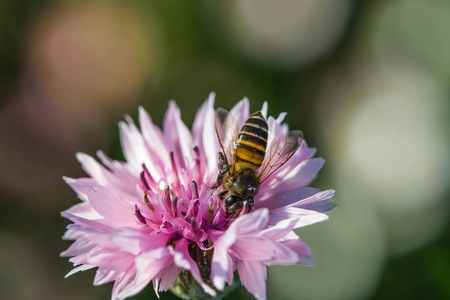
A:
x: 421, y: 274
x: 15, y: 17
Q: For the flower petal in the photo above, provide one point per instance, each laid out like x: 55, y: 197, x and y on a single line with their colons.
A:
x: 128, y: 239
x: 319, y: 202
x: 107, y: 205
x: 221, y: 265
x: 241, y: 111
x: 304, y: 217
x: 150, y: 263
x: 279, y: 230
x: 249, y: 224
x: 299, y: 246
x: 112, y: 259
x: 78, y: 269
x: 104, y: 275
x: 81, y: 186
x: 134, y: 147
x: 178, y: 136
x: 294, y: 179
x: 167, y: 277
x: 153, y: 136
x: 253, y: 275
x: 83, y: 210
x: 264, y: 109
x: 82, y: 245
x: 307, y: 197
x: 128, y: 284
x: 205, y: 137
x: 116, y: 182
x: 254, y: 249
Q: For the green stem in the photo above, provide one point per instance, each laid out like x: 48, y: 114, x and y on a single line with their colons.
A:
x: 187, y: 288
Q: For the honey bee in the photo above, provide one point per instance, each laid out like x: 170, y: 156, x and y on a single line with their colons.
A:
x: 250, y: 166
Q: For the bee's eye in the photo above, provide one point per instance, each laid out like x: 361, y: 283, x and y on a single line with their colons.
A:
x: 231, y: 200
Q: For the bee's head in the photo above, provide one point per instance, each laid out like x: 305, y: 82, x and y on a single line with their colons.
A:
x: 232, y: 200
x: 235, y: 204
x: 246, y: 184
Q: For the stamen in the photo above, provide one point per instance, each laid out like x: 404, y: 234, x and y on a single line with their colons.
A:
x: 167, y: 197
x: 144, y: 181
x: 202, y: 247
x: 174, y: 207
x: 194, y: 190
x: 191, y: 210
x: 147, y: 202
x: 146, y: 178
x: 166, y: 192
x: 210, y: 216
x: 197, y: 164
x: 139, y: 216
x: 174, y: 168
x: 194, y: 225
x: 194, y: 211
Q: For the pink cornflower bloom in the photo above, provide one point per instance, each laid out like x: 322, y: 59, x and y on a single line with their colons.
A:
x: 155, y: 218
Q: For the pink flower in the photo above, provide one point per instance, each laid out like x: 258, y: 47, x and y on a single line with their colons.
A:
x: 155, y: 218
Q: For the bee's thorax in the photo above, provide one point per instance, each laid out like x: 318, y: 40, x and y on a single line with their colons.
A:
x: 244, y: 184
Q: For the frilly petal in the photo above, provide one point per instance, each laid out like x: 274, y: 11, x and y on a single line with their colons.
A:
x: 150, y: 263
x: 134, y: 147
x: 153, y: 136
x: 205, y: 137
x: 241, y: 111
x: 83, y: 210
x: 249, y: 224
x: 178, y: 136
x: 128, y: 284
x: 297, y: 245
x: 304, y: 217
x: 104, y: 275
x: 221, y: 265
x: 289, y: 179
x: 253, y: 275
x: 107, y: 205
x: 78, y: 269
x: 128, y: 239
x: 81, y: 186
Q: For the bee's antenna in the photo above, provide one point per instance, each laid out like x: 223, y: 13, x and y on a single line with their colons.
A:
x: 231, y: 217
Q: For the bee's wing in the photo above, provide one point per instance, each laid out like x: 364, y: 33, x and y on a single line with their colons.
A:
x: 283, y: 147
x: 227, y: 129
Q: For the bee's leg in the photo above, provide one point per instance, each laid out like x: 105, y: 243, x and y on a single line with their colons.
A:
x: 222, y: 194
x: 223, y: 168
x: 219, y: 178
x: 222, y: 159
x: 231, y: 217
x: 250, y: 203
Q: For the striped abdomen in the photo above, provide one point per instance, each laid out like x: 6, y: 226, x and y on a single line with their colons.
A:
x: 252, y: 142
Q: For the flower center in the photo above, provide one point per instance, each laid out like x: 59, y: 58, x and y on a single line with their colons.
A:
x: 182, y: 212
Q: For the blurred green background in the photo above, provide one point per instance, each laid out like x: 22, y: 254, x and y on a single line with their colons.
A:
x: 366, y: 81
